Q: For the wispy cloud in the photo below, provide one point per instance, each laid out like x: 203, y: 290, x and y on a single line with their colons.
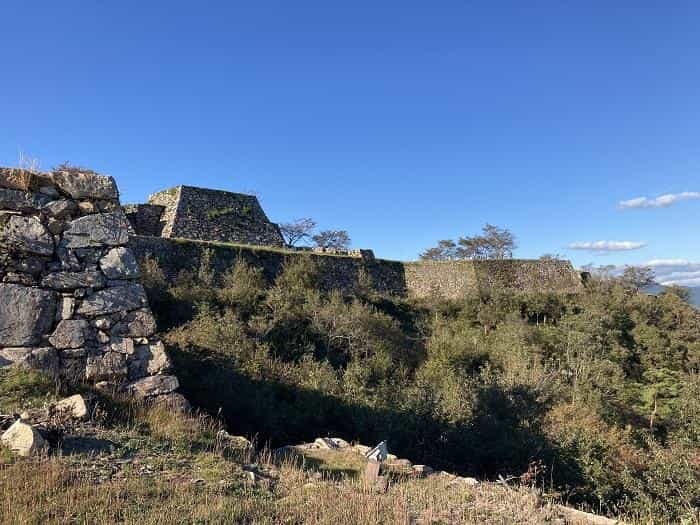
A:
x: 680, y: 272
x: 658, y: 202
x: 607, y: 246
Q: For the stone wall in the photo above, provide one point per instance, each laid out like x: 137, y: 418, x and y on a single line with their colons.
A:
x: 210, y: 215
x: 450, y: 280
x: 70, y: 300
x: 347, y: 273
x: 454, y: 279
x: 144, y: 219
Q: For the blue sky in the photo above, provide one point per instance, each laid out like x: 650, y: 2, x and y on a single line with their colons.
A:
x: 402, y: 122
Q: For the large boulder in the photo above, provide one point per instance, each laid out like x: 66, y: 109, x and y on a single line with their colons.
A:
x: 23, y: 439
x: 153, y: 386
x: 26, y: 314
x: 119, y: 263
x: 100, y: 229
x: 66, y: 281
x: 85, y: 185
x: 70, y: 333
x: 26, y: 234
x: 131, y: 296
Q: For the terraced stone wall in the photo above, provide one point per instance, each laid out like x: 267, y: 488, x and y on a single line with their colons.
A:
x: 70, y: 299
x: 210, y: 215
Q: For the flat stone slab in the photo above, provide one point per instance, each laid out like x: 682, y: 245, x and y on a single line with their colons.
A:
x: 26, y: 314
x: 99, y: 229
x: 84, y: 185
x: 16, y: 200
x: 66, y: 281
x: 26, y: 234
x: 131, y: 296
x: 154, y: 386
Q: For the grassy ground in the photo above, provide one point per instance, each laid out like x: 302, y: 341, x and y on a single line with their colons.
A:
x: 151, y: 466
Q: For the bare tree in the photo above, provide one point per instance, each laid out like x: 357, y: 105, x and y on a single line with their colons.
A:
x: 298, y: 230
x: 493, y: 243
x: 638, y: 277
x: 338, y: 239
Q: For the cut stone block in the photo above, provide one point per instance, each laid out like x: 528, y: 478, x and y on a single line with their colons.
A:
x: 118, y: 299
x: 26, y: 314
x: 100, y: 229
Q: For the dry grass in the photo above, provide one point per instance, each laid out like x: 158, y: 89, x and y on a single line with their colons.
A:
x: 48, y: 491
x: 167, y: 468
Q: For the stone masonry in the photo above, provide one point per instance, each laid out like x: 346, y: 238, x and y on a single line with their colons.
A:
x: 202, y: 214
x: 70, y: 300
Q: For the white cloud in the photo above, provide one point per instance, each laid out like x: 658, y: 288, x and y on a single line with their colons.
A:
x: 666, y: 262
x: 607, y: 246
x: 659, y: 202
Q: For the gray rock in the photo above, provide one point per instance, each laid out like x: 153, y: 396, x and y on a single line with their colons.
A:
x: 81, y: 185
x: 153, y: 386
x: 25, y: 314
x: 60, y: 209
x: 49, y: 191
x: 123, y: 345
x: 13, y: 356
x: 75, y: 406
x: 16, y: 200
x: 120, y: 298
x: 26, y: 234
x: 23, y: 439
x: 139, y: 323
x: 100, y: 229
x: 19, y: 278
x: 119, y: 263
x: 70, y: 333
x: 67, y: 281
x: 43, y: 359
x: 107, y: 366
x: 149, y: 360
x: 175, y: 402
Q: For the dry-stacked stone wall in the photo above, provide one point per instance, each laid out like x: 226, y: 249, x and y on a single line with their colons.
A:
x: 70, y: 299
x: 209, y: 215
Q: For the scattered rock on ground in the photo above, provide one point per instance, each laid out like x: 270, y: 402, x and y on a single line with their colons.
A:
x: 23, y: 439
x: 74, y: 405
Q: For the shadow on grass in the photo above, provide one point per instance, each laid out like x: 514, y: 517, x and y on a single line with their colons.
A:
x: 502, y: 438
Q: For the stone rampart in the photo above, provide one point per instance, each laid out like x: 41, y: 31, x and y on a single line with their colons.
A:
x: 70, y: 299
x: 450, y: 280
x: 208, y: 215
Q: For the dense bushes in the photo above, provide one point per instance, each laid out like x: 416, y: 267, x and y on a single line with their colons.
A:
x: 594, y: 396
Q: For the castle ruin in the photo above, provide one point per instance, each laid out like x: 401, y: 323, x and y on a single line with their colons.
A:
x: 187, y: 212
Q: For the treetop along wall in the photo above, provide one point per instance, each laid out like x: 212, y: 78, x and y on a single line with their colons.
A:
x: 70, y: 300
